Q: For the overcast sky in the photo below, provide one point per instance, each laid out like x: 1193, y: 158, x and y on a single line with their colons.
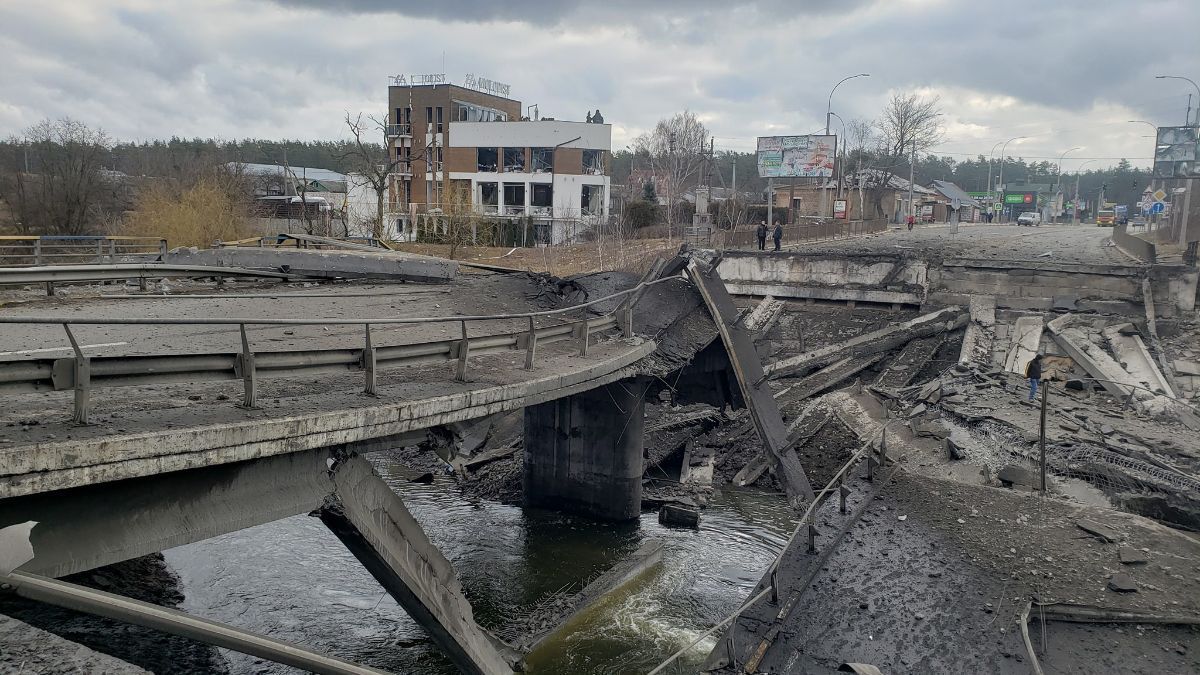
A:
x: 1063, y: 72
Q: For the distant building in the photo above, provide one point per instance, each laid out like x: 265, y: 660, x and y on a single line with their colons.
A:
x: 955, y: 205
x: 461, y: 147
x: 296, y: 198
x: 891, y: 193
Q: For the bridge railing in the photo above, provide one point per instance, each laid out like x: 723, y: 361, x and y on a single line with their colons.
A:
x: 37, y: 251
x: 83, y: 373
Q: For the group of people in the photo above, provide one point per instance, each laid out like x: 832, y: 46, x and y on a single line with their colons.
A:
x: 761, y: 232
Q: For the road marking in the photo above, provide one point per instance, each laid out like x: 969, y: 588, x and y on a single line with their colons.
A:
x: 61, y: 349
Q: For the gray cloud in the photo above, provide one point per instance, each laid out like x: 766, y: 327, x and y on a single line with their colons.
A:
x: 291, y: 67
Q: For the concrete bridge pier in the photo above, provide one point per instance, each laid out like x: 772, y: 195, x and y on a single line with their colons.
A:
x: 583, y: 453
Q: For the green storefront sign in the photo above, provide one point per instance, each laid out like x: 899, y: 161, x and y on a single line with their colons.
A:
x: 1023, y: 198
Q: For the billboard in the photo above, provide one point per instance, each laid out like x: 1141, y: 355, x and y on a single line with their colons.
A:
x: 1175, y: 155
x: 796, y: 156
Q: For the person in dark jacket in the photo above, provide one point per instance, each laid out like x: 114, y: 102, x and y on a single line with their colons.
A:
x: 777, y: 234
x: 1034, y: 372
x: 761, y: 233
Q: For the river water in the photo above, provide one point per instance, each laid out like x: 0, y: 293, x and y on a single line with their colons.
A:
x: 292, y: 579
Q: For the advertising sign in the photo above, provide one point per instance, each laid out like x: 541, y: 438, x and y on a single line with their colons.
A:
x: 796, y: 156
x: 839, y: 208
x: 1020, y: 198
x: 1175, y: 155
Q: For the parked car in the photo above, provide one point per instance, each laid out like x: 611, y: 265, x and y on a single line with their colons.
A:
x: 1030, y: 218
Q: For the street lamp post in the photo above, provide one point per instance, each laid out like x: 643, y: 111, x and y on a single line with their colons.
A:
x: 1002, y: 149
x: 839, y: 166
x: 828, y: 113
x: 1194, y: 85
x: 1075, y: 209
x: 1058, y: 188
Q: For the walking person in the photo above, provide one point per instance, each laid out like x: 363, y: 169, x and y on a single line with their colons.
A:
x: 777, y: 234
x: 761, y: 233
x: 1034, y: 372
x: 909, y: 220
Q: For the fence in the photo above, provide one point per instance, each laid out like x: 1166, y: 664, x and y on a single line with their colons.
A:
x: 18, y: 251
x: 817, y: 231
x: 84, y: 373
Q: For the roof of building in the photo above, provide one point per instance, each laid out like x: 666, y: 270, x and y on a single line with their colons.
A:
x: 951, y: 191
x: 298, y: 172
x: 870, y: 177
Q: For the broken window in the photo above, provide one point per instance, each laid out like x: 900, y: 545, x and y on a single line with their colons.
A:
x: 486, y: 159
x: 593, y: 162
x: 488, y: 194
x: 514, y: 159
x: 514, y: 198
x: 542, y: 195
x: 543, y: 160
x: 591, y: 200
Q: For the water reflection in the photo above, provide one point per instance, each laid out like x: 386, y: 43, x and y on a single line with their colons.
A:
x: 294, y: 580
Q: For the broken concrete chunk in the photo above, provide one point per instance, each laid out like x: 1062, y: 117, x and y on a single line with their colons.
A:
x: 954, y: 449
x: 1132, y: 556
x: 918, y: 409
x: 679, y: 516
x: 1187, y: 367
x: 1015, y: 475
x: 1122, y: 583
x: 1097, y: 530
x: 1106, y: 430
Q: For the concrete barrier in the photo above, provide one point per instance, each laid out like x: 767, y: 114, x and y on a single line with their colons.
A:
x: 1137, y: 247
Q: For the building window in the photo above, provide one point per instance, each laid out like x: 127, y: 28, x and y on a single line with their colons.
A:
x: 429, y: 115
x: 593, y: 162
x: 437, y: 158
x: 514, y: 159
x: 543, y: 160
x: 468, y: 112
x: 542, y: 195
x: 486, y: 159
x: 591, y: 200
x: 514, y: 198
x: 439, y: 119
x: 488, y: 195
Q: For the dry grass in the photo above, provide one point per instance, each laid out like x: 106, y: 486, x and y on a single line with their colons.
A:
x: 196, y: 216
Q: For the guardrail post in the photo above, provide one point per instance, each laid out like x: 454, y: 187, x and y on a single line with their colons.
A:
x: 249, y: 376
x: 843, y: 492
x: 112, y: 250
x: 82, y: 372
x: 162, y: 248
x: 530, y: 346
x: 625, y: 317
x: 368, y: 364
x: 464, y: 350
x: 583, y: 334
x: 37, y: 252
x: 812, y: 538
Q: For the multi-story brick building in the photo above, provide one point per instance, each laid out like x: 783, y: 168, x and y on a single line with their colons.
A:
x: 460, y: 148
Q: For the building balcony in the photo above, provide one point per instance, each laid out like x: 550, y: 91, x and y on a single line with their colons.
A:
x: 397, y: 130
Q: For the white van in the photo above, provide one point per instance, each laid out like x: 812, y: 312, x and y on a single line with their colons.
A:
x: 1030, y: 218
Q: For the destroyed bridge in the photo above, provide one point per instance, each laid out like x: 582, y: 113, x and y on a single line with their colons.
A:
x: 140, y: 421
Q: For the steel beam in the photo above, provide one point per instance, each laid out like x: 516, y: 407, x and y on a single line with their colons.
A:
x: 83, y: 599
x: 82, y: 273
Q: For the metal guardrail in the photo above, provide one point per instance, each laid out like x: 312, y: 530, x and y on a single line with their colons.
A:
x: 57, y: 274
x: 21, y: 251
x: 83, y: 373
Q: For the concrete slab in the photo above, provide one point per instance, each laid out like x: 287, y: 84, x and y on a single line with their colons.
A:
x: 377, y: 528
x: 323, y: 264
x: 1133, y: 356
x: 1025, y: 343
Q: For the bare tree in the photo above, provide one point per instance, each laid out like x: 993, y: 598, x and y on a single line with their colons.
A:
x: 909, y: 125
x: 677, y: 150
x: 373, y: 162
x: 57, y: 186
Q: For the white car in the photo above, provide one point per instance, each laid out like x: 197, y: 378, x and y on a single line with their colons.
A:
x: 1030, y: 218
